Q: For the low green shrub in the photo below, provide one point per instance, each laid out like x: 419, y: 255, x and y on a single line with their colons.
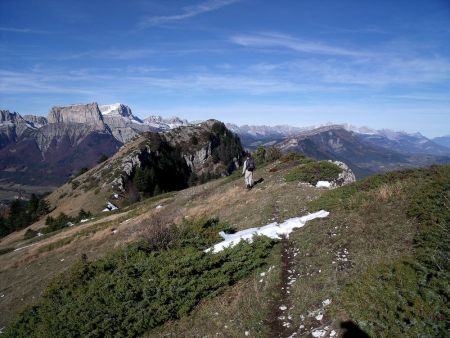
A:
x: 314, y: 171
x: 62, y: 221
x: 135, y: 289
x: 6, y: 250
x: 410, y: 297
x: 30, y: 233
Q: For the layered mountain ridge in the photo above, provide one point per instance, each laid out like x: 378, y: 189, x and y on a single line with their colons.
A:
x: 35, y: 150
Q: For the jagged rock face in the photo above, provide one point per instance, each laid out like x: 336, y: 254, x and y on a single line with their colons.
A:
x: 36, y: 121
x: 73, y: 133
x: 116, y: 109
x: 195, y: 161
x: 80, y: 113
x: 123, y: 124
x: 125, y: 129
x: 12, y: 127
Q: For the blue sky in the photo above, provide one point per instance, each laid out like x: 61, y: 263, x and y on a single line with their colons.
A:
x: 384, y: 63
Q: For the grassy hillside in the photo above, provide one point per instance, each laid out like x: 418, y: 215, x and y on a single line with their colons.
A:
x: 379, y: 262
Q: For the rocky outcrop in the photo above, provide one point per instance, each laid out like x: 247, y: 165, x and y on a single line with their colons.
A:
x: 345, y: 177
x: 196, y: 160
x: 78, y: 113
x: 196, y: 156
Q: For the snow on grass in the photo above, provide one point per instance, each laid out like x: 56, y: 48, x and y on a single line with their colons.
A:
x: 319, y: 333
x: 272, y: 230
x: 110, y: 207
x: 323, y: 184
x: 326, y: 302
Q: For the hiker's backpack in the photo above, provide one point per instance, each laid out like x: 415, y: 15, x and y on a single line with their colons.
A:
x: 250, y: 164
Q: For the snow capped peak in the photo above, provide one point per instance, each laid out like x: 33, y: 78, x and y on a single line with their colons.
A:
x: 161, y: 123
x: 115, y: 109
x: 120, y: 110
x: 359, y: 130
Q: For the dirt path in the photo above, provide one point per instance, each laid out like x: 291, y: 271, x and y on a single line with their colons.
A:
x: 280, y: 321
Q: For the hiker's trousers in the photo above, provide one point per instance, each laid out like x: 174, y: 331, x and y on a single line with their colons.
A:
x: 248, y: 177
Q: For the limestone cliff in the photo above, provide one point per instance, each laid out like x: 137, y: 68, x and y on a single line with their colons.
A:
x: 77, y: 113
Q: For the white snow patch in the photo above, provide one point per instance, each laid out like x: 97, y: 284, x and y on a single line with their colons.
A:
x: 159, y: 206
x: 247, y: 333
x: 319, y: 316
x: 319, y: 333
x: 85, y: 220
x: 272, y: 230
x: 332, y: 333
x: 326, y: 302
x: 262, y: 274
x: 39, y: 234
x: 323, y: 184
x: 110, y: 206
x: 283, y: 307
x: 24, y: 247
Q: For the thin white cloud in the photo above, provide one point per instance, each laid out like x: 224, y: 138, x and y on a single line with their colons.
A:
x: 188, y: 12
x: 22, y: 82
x: 22, y: 30
x: 112, y: 54
x: 276, y: 41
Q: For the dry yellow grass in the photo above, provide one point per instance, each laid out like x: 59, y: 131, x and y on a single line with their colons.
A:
x: 24, y: 273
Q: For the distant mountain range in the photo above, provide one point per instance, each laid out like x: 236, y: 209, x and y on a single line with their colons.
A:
x: 443, y: 141
x: 253, y: 136
x: 366, y: 151
x: 40, y: 151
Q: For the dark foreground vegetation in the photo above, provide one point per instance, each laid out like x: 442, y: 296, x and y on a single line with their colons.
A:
x: 410, y: 296
x: 141, y: 286
x: 23, y: 213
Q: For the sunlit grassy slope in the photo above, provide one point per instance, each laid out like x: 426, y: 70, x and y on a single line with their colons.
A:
x: 380, y: 260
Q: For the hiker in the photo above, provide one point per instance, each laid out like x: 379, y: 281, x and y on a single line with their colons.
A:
x: 249, y: 167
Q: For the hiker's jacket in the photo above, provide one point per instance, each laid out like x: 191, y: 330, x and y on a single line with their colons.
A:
x: 245, y: 166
